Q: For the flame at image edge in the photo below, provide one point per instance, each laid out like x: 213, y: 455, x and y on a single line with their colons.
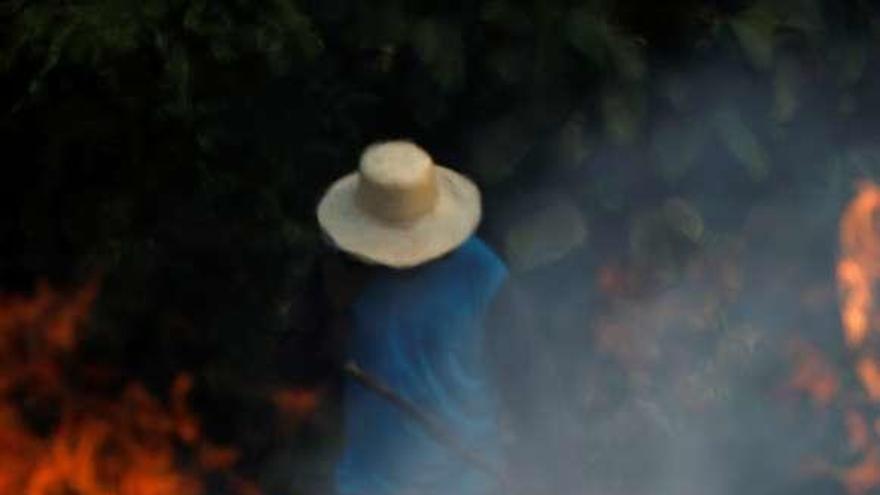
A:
x: 130, y: 444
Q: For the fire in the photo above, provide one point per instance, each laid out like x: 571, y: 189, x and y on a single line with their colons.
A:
x: 858, y: 270
x: 126, y: 443
x: 111, y: 448
x: 864, y: 476
x: 869, y: 374
x: 859, y: 265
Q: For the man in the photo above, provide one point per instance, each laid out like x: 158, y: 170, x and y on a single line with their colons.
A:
x: 415, y: 325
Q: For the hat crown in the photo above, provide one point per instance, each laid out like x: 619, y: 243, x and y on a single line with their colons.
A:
x: 397, y: 181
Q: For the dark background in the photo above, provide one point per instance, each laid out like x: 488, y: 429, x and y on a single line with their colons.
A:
x: 631, y: 153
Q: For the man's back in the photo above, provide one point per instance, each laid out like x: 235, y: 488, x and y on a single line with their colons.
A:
x: 420, y: 331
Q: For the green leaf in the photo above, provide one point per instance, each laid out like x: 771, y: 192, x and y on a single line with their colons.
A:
x: 677, y: 146
x: 846, y: 105
x: 666, y: 237
x: 742, y: 143
x: 507, y: 64
x: 382, y: 24
x: 628, y: 58
x: 503, y: 14
x: 546, y: 235
x: 498, y: 148
x: 755, y: 29
x: 786, y: 86
x: 589, y: 34
x: 178, y: 72
x: 298, y: 26
x: 573, y: 144
x: 675, y: 89
x: 439, y: 45
x: 804, y: 16
x: 685, y: 218
x: 622, y: 113
x: 193, y: 18
x: 851, y: 59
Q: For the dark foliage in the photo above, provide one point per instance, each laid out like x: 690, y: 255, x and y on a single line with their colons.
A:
x: 178, y: 147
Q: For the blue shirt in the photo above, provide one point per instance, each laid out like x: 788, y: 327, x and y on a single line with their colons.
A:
x: 420, y: 331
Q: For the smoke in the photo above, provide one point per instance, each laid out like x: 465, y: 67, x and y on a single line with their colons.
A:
x: 665, y: 290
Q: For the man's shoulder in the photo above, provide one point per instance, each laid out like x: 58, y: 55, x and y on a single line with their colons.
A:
x: 479, y: 258
x: 473, y: 270
x: 477, y: 251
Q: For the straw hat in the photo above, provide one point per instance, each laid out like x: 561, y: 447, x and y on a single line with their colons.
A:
x: 399, y: 209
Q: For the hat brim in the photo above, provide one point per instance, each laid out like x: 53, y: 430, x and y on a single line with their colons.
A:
x: 401, y: 245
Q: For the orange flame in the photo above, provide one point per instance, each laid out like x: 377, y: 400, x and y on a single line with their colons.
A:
x: 859, y: 265
x: 858, y: 270
x: 869, y: 374
x: 864, y: 476
x: 125, y: 445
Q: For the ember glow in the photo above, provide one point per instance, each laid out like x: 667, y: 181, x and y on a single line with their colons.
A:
x: 58, y: 436
x: 296, y: 404
x: 813, y: 374
x: 859, y: 265
x: 857, y: 273
x: 858, y: 270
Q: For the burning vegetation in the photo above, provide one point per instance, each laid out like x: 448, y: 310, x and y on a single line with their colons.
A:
x: 64, y: 431
x: 851, y: 388
x: 858, y: 271
x: 71, y: 427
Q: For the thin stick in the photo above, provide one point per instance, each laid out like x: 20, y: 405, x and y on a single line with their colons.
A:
x: 431, y: 424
